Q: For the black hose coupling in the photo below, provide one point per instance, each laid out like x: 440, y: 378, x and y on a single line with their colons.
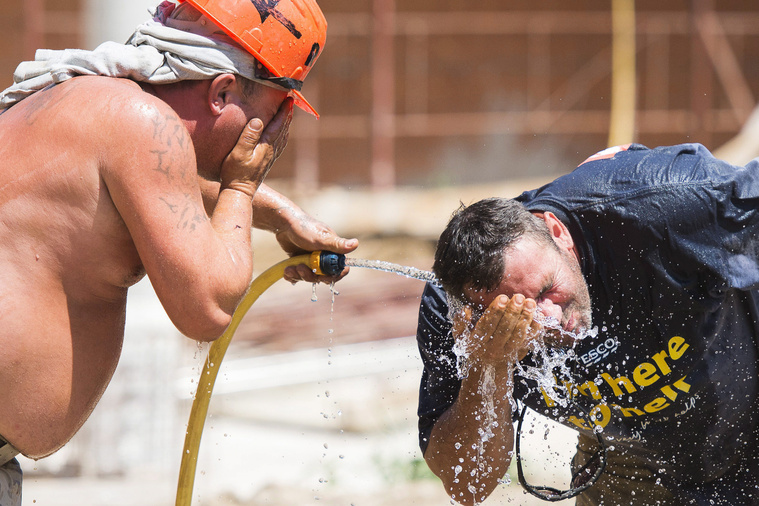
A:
x: 327, y: 263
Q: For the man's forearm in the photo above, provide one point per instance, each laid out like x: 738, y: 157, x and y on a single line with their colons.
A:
x: 232, y: 220
x: 471, y: 444
x: 273, y: 211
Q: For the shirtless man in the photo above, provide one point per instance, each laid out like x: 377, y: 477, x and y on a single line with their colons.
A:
x: 105, y: 180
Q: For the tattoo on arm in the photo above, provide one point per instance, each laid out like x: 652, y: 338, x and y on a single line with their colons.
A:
x: 189, y: 213
x: 171, y: 134
x: 172, y: 137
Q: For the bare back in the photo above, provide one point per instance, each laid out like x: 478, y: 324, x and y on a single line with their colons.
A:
x: 66, y: 256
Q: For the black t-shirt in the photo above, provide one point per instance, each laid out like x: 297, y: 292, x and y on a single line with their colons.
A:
x: 669, y: 245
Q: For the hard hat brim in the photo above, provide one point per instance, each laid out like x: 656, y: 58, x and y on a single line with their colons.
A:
x: 301, y: 102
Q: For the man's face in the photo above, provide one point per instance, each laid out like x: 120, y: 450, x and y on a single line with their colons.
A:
x: 549, y: 275
x: 263, y: 105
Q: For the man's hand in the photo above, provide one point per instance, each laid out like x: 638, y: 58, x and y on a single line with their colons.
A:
x: 298, y: 233
x: 308, y: 234
x: 246, y: 166
x: 503, y: 334
x: 469, y: 464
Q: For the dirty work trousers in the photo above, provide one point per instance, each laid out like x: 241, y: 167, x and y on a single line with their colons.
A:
x: 625, y: 481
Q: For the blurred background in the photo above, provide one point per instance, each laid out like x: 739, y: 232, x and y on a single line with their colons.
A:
x: 424, y: 104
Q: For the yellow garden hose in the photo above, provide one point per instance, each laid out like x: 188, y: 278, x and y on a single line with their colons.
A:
x: 207, y: 379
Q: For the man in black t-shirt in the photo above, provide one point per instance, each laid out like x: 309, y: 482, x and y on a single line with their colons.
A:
x: 656, y: 253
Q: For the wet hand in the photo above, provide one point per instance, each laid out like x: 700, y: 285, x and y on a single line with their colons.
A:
x: 503, y: 334
x: 257, y: 148
x: 306, y: 235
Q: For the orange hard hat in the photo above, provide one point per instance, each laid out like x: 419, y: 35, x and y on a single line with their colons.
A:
x: 286, y: 36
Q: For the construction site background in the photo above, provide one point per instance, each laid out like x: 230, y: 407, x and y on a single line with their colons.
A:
x: 424, y: 104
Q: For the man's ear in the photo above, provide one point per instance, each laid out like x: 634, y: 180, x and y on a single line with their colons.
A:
x: 559, y: 232
x: 222, y: 91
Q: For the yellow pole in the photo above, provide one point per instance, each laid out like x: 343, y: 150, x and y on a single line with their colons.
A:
x: 622, y: 123
x: 210, y: 371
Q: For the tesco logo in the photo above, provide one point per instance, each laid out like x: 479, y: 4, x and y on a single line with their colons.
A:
x: 600, y: 352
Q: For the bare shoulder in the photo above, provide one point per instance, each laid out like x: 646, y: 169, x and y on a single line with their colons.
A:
x: 132, y: 129
x: 145, y: 155
x: 103, y: 114
x: 114, y: 98
x: 88, y: 100
x: 125, y: 114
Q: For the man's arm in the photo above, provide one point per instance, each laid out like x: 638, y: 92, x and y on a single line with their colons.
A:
x: 200, y: 266
x: 296, y: 231
x: 471, y: 443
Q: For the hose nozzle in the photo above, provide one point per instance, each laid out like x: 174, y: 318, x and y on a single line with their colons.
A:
x: 326, y: 263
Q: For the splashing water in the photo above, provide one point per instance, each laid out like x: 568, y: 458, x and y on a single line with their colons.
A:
x: 549, y: 362
x: 380, y: 265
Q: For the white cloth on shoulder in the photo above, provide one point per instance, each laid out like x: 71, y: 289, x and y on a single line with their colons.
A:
x: 162, y: 51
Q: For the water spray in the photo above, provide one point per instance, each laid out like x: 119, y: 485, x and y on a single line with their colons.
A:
x: 331, y: 264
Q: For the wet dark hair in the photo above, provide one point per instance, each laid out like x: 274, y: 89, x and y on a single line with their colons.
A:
x: 470, y: 250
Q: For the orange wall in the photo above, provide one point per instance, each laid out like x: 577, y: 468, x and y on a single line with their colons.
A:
x: 468, y: 105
